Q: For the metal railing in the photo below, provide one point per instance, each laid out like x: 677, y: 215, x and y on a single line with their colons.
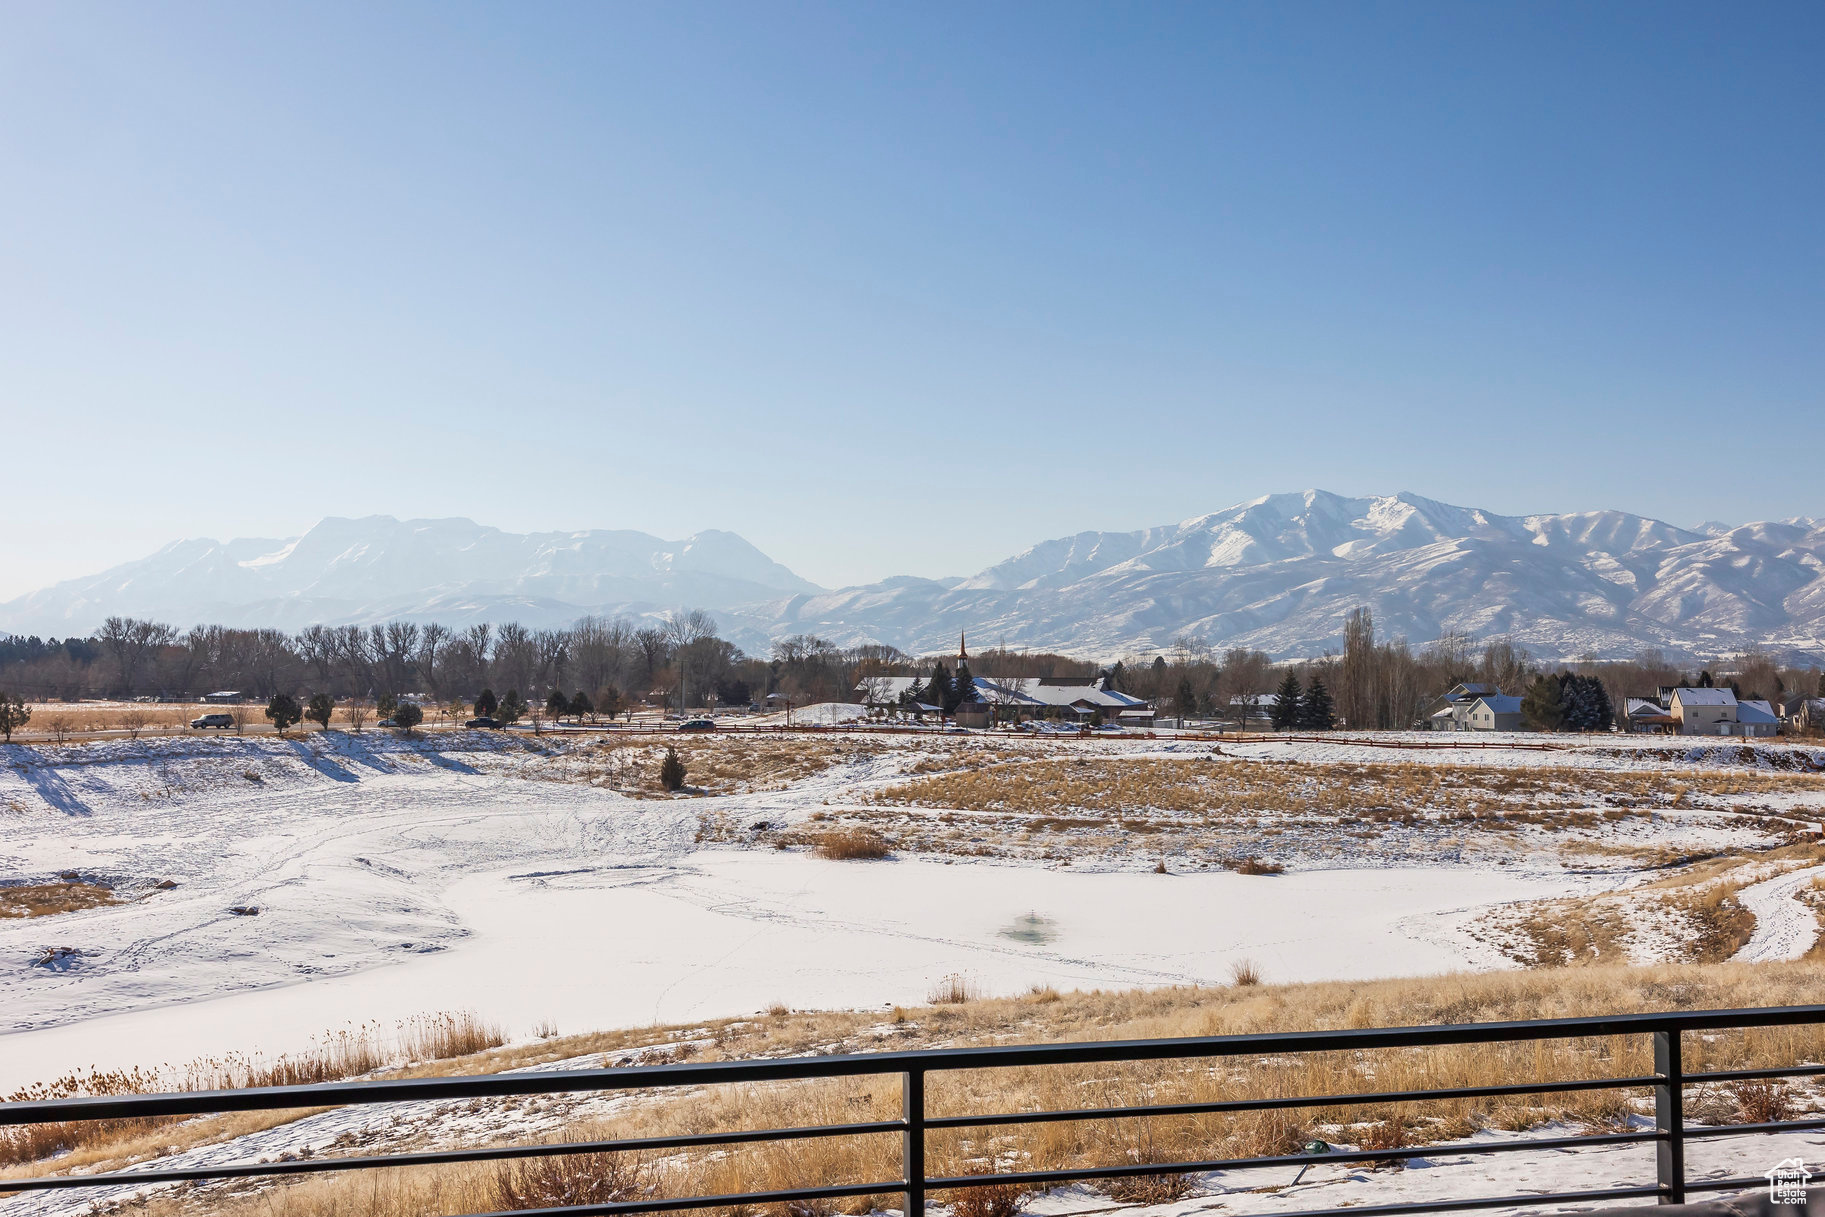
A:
x: 1670, y: 1135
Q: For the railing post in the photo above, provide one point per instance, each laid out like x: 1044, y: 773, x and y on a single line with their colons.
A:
x: 912, y: 1153
x: 1670, y: 1117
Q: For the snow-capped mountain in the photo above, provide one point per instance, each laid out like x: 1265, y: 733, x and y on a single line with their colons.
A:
x: 1282, y: 572
x: 380, y: 568
x: 1279, y: 573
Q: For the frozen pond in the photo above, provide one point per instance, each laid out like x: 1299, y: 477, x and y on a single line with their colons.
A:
x: 725, y: 932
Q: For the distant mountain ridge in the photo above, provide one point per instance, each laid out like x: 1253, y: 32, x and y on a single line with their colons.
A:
x: 1282, y: 572
x: 380, y: 568
x: 1279, y: 573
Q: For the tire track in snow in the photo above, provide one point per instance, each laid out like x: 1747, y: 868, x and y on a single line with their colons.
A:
x: 1784, y: 927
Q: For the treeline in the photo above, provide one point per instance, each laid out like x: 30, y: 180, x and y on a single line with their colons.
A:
x: 609, y: 661
x: 1372, y: 682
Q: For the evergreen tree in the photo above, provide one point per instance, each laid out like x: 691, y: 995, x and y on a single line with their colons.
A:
x: 1704, y: 680
x: 581, y: 705
x: 14, y: 714
x: 963, y: 688
x: 1574, y: 702
x: 1112, y: 681
x: 1287, y: 703
x: 319, y: 709
x: 283, y: 710
x: 1821, y: 689
x: 408, y: 716
x: 486, y: 704
x: 1185, y: 701
x: 671, y: 771
x: 387, y: 706
x: 557, y: 705
x: 1316, y: 712
x: 938, y: 688
x: 1605, y: 717
x: 1542, y: 705
x: 512, y: 708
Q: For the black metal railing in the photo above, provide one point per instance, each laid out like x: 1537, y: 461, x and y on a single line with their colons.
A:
x: 1668, y: 1083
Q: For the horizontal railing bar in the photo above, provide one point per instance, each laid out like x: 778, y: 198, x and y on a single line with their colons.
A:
x: 449, y: 1157
x: 1751, y: 1075
x: 706, y: 1202
x: 270, y: 1098
x: 1275, y: 1104
x: 1705, y: 1132
x: 1142, y: 1170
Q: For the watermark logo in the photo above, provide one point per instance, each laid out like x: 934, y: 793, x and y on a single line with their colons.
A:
x: 1787, y: 1182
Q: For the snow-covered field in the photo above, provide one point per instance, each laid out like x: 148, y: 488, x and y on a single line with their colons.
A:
x: 276, y: 890
x: 393, y: 878
x: 328, y: 879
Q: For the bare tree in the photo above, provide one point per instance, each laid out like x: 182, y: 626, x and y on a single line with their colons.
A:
x: 356, y: 711
x: 240, y: 714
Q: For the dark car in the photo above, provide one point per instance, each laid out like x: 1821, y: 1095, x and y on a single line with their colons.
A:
x: 483, y: 721
x: 698, y: 724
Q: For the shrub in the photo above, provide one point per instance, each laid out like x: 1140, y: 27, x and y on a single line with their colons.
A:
x: 407, y: 715
x: 569, y: 1179
x: 954, y: 990
x: 284, y: 711
x: 1763, y: 1101
x: 671, y: 771
x: 319, y: 709
x: 1257, y: 866
x: 989, y: 1200
x: 851, y: 844
x: 1245, y: 972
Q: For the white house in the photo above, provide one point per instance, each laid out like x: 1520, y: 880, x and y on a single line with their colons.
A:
x: 1451, y: 711
x: 1494, y: 712
x: 1717, y: 712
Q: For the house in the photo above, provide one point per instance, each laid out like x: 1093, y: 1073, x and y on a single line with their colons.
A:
x: 225, y: 697
x: 1703, y: 711
x: 1450, y: 711
x: 1756, y: 718
x: 1647, y: 714
x: 1801, y: 713
x: 1494, y: 712
x: 1072, y: 698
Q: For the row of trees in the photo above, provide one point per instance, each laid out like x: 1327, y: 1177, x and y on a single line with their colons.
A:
x: 612, y: 662
x: 681, y: 659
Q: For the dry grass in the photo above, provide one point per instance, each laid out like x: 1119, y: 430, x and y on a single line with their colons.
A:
x: 67, y: 895
x: 1381, y: 791
x: 1245, y: 972
x: 422, y: 1192
x: 344, y: 1054
x: 1258, y: 866
x: 954, y: 990
x: 851, y: 844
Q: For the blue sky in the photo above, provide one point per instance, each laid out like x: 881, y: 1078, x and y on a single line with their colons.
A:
x: 897, y: 288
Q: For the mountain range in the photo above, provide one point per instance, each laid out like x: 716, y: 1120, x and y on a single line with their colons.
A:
x: 1279, y: 573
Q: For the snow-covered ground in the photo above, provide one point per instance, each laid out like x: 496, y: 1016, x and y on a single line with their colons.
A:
x: 393, y: 879
x: 397, y: 877
x: 331, y: 879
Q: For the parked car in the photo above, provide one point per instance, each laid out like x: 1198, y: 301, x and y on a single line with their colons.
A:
x: 698, y: 724
x: 212, y: 720
x: 386, y: 722
x: 483, y: 721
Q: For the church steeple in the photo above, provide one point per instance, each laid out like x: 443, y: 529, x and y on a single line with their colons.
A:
x: 962, y: 651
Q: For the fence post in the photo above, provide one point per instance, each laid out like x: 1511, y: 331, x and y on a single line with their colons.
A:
x: 1669, y: 1117
x: 912, y: 1153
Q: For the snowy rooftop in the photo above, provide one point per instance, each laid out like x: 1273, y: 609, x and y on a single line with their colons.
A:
x: 1705, y: 697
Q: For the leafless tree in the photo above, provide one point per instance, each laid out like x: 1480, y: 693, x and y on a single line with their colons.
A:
x: 357, y: 712
x: 240, y: 714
